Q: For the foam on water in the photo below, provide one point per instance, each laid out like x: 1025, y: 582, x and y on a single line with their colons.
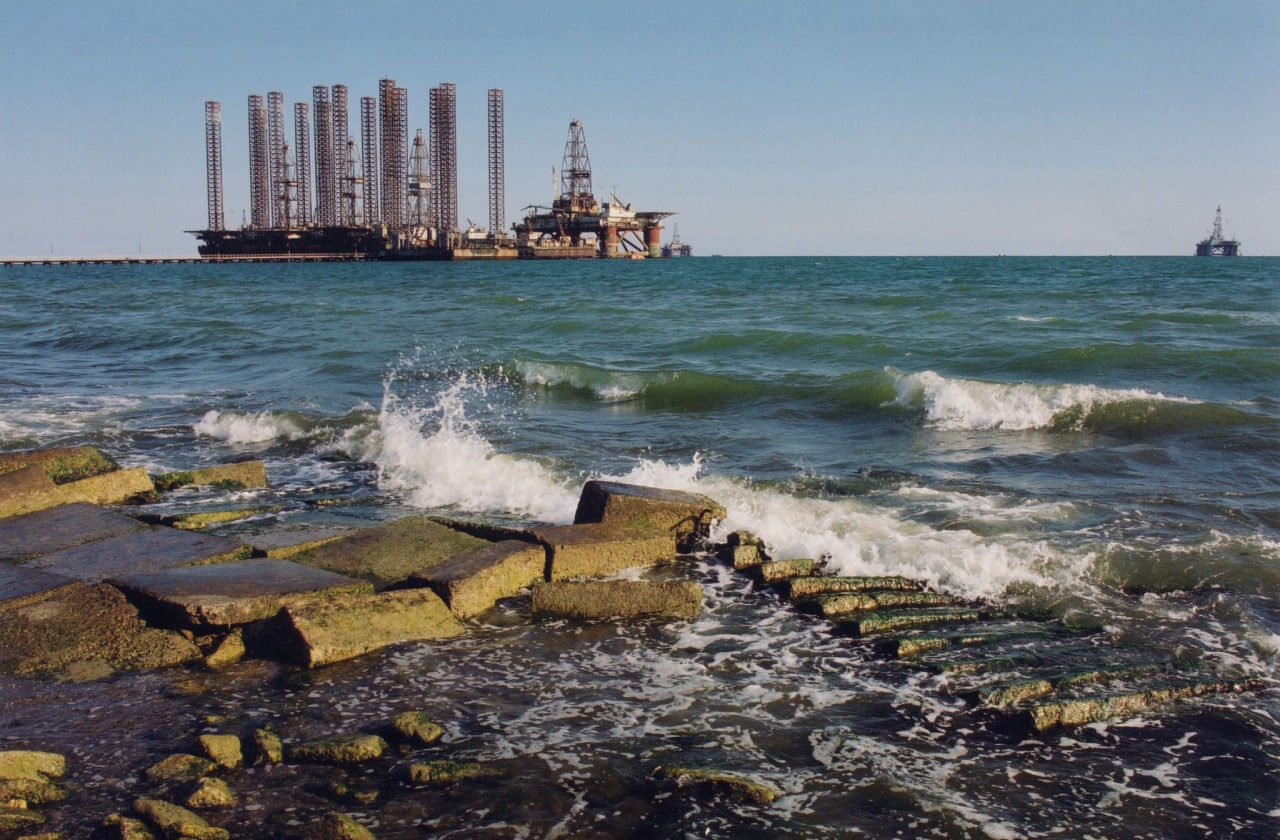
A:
x: 956, y: 404
x: 247, y: 427
x: 604, y: 385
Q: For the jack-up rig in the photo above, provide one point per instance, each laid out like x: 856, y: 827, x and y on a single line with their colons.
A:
x: 386, y: 198
x: 1215, y: 245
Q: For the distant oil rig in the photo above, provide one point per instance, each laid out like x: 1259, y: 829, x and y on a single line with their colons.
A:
x: 386, y: 198
x: 1215, y: 245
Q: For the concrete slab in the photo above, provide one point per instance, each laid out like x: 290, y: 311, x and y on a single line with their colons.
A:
x: 147, y: 550
x: 287, y: 542
x: 57, y: 529
x: 474, y: 582
x: 31, y: 489
x: 688, y: 516
x: 324, y: 630
x: 61, y: 464
x: 606, y: 599
x: 239, y: 476
x: 19, y: 584
x: 227, y: 594
x: 388, y: 554
x: 599, y: 550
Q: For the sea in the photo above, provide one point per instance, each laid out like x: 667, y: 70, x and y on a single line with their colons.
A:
x: 1095, y: 440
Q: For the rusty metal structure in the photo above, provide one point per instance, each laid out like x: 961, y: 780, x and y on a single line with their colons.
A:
x: 497, y: 164
x: 213, y: 164
x: 331, y: 195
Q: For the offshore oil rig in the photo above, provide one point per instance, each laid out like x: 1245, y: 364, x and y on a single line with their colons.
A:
x: 1215, y: 245
x: 389, y: 198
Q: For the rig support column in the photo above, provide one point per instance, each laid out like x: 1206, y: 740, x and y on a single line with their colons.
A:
x: 497, y: 165
x: 302, y: 145
x: 653, y: 241
x: 213, y: 164
x: 259, y: 166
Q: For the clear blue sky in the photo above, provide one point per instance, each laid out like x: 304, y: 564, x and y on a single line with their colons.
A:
x: 844, y: 127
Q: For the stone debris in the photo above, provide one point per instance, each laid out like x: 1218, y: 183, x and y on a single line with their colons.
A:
x: 34, y: 765
x: 210, y: 793
x: 613, y: 599
x: 224, y: 750
x: 769, y: 572
x: 338, y: 827
x: 175, y: 821
x: 269, y: 748
x: 180, y: 767
x: 417, y: 727
x: 601, y: 550
x: 346, y: 749
x: 687, y: 517
x: 445, y: 772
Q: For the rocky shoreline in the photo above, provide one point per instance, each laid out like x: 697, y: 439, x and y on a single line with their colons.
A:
x: 87, y: 591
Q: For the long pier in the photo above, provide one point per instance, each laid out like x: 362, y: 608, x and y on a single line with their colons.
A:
x: 183, y: 260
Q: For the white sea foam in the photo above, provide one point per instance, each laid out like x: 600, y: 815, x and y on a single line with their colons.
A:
x: 956, y: 404
x: 250, y: 427
x: 606, y: 386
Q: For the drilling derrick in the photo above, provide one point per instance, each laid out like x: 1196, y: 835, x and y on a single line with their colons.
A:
x: 575, y: 174
x: 287, y: 190
x: 1217, y: 245
x: 369, y: 148
x: 394, y: 136
x: 259, y: 166
x: 276, y: 162
x: 326, y: 200
x: 444, y: 155
x: 302, y: 143
x: 351, y: 185
x: 497, y: 165
x: 213, y: 164
x: 341, y: 134
x: 420, y: 217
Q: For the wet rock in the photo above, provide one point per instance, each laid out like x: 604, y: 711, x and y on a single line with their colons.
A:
x: 32, y: 764
x: 223, y: 749
x: 444, y: 772
x: 17, y: 819
x: 811, y: 587
x: 211, y: 793
x: 869, y: 624
x: 32, y: 792
x: 770, y: 572
x: 175, y: 821
x: 245, y: 475
x: 84, y: 632
x: 148, y: 550
x: 342, y: 788
x: 227, y: 594
x: 203, y: 519
x: 743, y: 549
x: 604, y: 599
x: 350, y: 749
x: 31, y: 489
x: 19, y: 585
x: 730, y: 785
x: 592, y: 551
x: 417, y: 727
x: 269, y: 746
x: 1075, y: 712
x: 389, y: 554
x: 287, y: 543
x: 61, y: 464
x: 120, y: 827
x: 338, y: 827
x: 687, y: 517
x: 57, y: 529
x: 832, y: 606
x: 229, y: 650
x: 472, y: 583
x: 318, y: 631
x: 180, y: 767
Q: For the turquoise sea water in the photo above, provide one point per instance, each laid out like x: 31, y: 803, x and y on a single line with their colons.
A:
x: 1098, y: 437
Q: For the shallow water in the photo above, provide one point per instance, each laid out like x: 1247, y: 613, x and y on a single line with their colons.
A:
x: 1092, y: 437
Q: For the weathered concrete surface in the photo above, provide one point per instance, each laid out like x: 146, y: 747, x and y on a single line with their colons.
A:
x: 342, y: 749
x: 30, y: 489
x: 744, y: 550
x: 319, y: 631
x: 245, y: 475
x: 604, y: 599
x: 151, y: 549
x: 84, y: 631
x: 484, y: 530
x: 686, y: 516
x: 388, y: 554
x: 443, y: 772
x: 811, y: 587
x: 58, y: 529
x: 228, y: 594
x: 600, y: 550
x: 288, y: 542
x: 472, y: 583
x: 21, y: 584
x: 770, y: 572
x: 61, y: 464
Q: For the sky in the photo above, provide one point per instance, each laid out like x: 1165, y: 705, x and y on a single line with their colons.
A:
x: 841, y: 127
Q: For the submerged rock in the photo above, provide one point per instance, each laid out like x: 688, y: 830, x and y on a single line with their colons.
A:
x: 416, y: 726
x: 120, y: 827
x: 777, y: 571
x: 31, y: 764
x: 244, y: 475
x: 31, y: 792
x: 180, y: 767
x: 726, y: 784
x: 349, y: 749
x: 211, y: 793
x: 269, y: 746
x: 444, y: 772
x: 223, y: 749
x: 175, y: 821
x: 604, y: 599
x: 17, y: 819
x: 338, y: 827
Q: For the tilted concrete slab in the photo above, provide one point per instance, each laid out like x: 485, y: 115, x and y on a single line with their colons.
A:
x: 474, y: 582
x: 30, y: 489
x: 57, y: 529
x: 228, y: 594
x: 687, y: 516
x: 318, y: 631
x: 18, y: 583
x: 148, y: 550
x: 599, y: 550
x: 388, y: 554
x: 606, y: 599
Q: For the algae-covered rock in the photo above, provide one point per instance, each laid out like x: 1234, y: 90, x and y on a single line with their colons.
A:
x: 473, y: 582
x: 177, y: 822
x: 735, y: 787
x: 744, y: 550
x: 211, y: 793
x: 600, y: 550
x: 338, y: 827
x: 229, y: 650
x: 61, y: 464
x: 223, y: 749
x: 687, y: 517
x: 120, y: 827
x: 348, y: 749
x: 342, y: 788
x: 17, y: 819
x: 33, y: 792
x: 777, y: 571
x: 389, y: 554
x: 811, y: 587
x: 31, y: 764
x: 605, y: 599
x: 181, y: 767
x: 245, y: 475
x: 444, y: 772
x: 416, y: 726
x: 268, y: 746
